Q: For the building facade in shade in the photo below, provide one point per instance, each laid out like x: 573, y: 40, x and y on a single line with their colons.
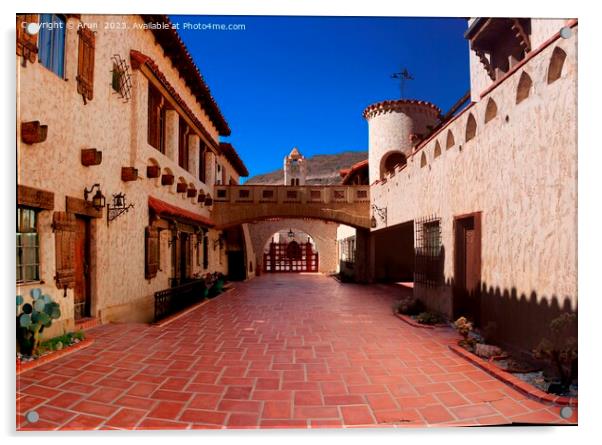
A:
x: 479, y: 207
x: 121, y: 116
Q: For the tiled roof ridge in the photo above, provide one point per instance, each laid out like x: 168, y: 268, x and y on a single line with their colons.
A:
x: 182, y: 60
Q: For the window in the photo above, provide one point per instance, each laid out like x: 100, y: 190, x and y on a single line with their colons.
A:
x: 52, y: 43
x: 184, y: 131
x: 205, y: 251
x: 428, y: 252
x: 347, y: 250
x: 218, y: 176
x: 28, y: 268
x: 156, y: 119
x: 390, y: 161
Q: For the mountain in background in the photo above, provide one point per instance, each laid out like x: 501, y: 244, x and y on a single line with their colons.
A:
x: 321, y: 169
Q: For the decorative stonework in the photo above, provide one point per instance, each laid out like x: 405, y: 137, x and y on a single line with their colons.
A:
x: 388, y: 106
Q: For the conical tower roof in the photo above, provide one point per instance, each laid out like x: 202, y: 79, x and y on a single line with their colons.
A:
x: 294, y: 153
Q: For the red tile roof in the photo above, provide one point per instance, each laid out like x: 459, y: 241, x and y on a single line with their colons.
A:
x: 174, y: 49
x: 354, y: 169
x: 231, y: 155
x: 165, y: 209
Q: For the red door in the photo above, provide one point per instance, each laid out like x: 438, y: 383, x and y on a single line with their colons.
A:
x: 82, y: 269
x: 467, y: 267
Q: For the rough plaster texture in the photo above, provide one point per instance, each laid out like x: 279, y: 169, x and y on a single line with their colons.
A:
x: 390, y: 131
x: 119, y: 289
x: 520, y: 171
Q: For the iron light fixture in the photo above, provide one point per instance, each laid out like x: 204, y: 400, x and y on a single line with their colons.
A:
x: 98, y: 200
x: 382, y: 214
x: 118, y: 208
x: 291, y: 234
x: 219, y: 242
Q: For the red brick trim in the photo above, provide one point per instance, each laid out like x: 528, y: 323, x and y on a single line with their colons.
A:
x: 177, y: 315
x: 396, y: 105
x: 513, y: 381
x: 22, y: 367
x: 414, y: 323
x: 519, y: 65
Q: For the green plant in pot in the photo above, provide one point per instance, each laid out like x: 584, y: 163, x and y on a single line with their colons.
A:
x: 33, y: 318
x: 464, y: 328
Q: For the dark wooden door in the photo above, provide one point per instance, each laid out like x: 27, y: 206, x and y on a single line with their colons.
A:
x: 81, y: 289
x: 467, y: 267
x: 236, y: 265
x: 290, y: 257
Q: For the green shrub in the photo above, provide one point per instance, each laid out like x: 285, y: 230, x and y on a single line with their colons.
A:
x: 408, y: 306
x: 560, y: 347
x: 429, y: 318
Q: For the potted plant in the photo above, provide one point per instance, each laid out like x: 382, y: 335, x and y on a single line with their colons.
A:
x: 464, y: 328
x: 32, y: 318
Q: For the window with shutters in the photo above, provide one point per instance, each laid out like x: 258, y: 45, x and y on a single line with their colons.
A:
x: 28, y: 246
x: 27, y: 44
x: 156, y: 119
x: 184, y: 131
x: 85, y: 63
x: 51, y: 43
x: 151, y: 252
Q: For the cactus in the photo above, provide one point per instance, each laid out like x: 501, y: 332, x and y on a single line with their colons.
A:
x: 33, y: 319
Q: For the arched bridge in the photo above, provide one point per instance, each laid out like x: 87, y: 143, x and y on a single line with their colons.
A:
x: 238, y: 204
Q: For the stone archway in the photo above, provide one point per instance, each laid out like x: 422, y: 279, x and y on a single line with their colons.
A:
x: 322, y: 233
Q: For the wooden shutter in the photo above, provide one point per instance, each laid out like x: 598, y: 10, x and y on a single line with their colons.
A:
x: 27, y: 45
x: 154, y: 103
x: 64, y: 225
x: 151, y: 252
x: 85, y: 63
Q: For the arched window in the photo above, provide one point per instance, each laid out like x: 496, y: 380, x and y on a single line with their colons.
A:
x: 471, y: 127
x: 390, y: 161
x: 556, y: 64
x: 524, y: 87
x: 423, y: 160
x: 449, y: 143
x: 491, y: 110
x: 437, y: 150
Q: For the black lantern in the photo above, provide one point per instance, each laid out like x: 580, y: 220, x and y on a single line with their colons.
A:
x: 118, y: 208
x: 98, y: 200
x: 373, y: 222
x: 382, y: 214
x: 291, y: 234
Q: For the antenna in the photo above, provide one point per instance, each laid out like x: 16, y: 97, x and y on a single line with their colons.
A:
x: 402, y: 76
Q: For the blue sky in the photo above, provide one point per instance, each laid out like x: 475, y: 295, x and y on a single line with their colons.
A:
x: 304, y: 81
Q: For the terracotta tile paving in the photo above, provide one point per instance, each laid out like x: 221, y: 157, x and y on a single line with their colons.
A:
x: 287, y: 351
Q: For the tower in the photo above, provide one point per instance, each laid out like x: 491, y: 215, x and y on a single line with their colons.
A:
x: 294, y: 168
x: 394, y: 127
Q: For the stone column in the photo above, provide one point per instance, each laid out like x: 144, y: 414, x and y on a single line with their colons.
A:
x: 172, y: 122
x: 193, y: 155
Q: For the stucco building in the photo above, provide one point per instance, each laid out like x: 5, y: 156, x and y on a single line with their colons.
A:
x: 479, y: 207
x: 113, y: 108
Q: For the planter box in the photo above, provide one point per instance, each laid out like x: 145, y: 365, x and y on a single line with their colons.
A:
x: 129, y: 174
x: 191, y: 193
x: 153, y: 171
x: 167, y: 179
x: 91, y: 156
x: 181, y: 187
x: 33, y: 133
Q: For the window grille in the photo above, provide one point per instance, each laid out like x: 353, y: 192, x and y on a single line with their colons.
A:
x: 428, y: 260
x: 28, y: 268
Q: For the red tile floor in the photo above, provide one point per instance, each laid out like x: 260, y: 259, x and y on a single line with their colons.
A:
x: 280, y: 351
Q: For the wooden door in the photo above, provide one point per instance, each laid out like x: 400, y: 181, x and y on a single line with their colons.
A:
x: 81, y: 288
x: 467, y: 267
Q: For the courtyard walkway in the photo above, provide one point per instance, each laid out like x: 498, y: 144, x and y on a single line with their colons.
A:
x: 284, y: 351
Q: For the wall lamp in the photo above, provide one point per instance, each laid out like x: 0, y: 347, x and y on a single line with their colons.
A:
x: 382, y: 214
x: 118, y: 208
x: 98, y: 200
x: 219, y: 241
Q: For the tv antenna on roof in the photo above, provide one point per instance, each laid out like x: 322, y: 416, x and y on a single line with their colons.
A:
x: 402, y: 76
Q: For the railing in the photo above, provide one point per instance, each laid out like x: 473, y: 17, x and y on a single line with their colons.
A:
x: 279, y: 194
x: 174, y: 299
